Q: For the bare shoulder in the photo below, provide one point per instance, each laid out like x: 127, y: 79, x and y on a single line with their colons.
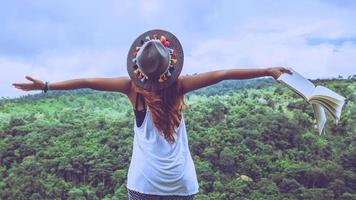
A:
x: 121, y: 84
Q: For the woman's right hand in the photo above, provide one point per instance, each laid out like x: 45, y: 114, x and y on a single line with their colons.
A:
x: 275, y: 72
x: 35, y: 85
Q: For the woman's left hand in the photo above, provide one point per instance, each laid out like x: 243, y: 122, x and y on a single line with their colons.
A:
x: 275, y: 72
x: 35, y: 85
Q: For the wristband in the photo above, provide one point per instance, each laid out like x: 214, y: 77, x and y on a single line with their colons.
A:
x: 46, y: 88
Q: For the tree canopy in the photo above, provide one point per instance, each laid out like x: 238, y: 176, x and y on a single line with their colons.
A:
x: 249, y: 139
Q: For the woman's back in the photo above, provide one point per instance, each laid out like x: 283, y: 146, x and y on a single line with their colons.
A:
x: 158, y: 167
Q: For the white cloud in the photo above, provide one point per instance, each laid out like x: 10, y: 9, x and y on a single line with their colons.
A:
x: 59, y: 40
x: 13, y: 71
x: 343, y: 60
x: 59, y: 66
x: 278, y: 42
x: 133, y: 11
x: 151, y: 8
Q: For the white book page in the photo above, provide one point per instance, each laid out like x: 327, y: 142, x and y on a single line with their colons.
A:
x: 320, y: 117
x: 324, y: 91
x: 326, y: 107
x: 338, y: 111
x: 296, y: 81
x: 332, y: 96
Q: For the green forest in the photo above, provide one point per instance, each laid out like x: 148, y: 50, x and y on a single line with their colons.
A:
x: 249, y: 139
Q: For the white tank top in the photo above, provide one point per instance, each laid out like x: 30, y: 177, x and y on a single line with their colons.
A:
x: 158, y: 167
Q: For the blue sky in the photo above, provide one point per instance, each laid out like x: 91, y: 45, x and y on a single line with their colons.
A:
x: 59, y: 39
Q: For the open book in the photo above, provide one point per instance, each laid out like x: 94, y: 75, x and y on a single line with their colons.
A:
x: 320, y: 97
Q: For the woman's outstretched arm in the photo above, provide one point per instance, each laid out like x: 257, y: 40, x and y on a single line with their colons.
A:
x: 118, y: 84
x: 190, y: 83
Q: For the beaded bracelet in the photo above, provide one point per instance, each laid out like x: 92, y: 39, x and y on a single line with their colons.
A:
x: 46, y: 88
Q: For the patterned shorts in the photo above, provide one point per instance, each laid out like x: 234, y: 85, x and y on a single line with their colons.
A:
x: 133, y: 195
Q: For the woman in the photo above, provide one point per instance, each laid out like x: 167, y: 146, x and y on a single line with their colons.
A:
x: 161, y: 166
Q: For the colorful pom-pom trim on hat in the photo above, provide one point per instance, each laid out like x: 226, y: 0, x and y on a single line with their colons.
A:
x: 172, y: 59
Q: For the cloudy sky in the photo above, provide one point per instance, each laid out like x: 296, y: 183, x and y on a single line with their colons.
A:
x: 60, y: 39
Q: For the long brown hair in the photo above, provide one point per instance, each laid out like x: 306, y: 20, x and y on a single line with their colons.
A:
x: 166, y: 106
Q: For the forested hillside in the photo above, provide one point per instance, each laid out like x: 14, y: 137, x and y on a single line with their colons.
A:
x: 250, y: 139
